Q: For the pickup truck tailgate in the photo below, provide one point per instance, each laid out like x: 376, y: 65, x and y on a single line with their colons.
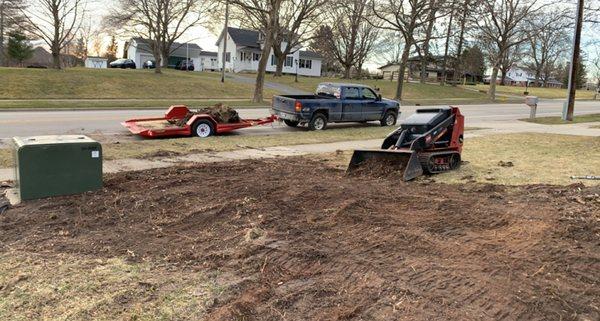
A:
x: 285, y: 104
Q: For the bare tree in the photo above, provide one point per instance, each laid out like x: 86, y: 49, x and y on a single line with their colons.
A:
x: 464, y: 11
x: 353, y: 36
x: 10, y: 20
x: 56, y: 22
x: 500, y: 27
x: 548, y: 42
x: 298, y: 21
x: 322, y: 43
x: 264, y: 13
x: 511, y: 57
x: 405, y: 17
x: 162, y: 22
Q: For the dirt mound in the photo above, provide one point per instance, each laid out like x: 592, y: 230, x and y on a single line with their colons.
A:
x: 220, y: 112
x: 305, y: 242
x: 380, y: 168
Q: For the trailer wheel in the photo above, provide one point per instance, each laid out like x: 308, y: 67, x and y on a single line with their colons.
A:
x: 203, y: 128
x: 389, y: 119
x: 318, y: 122
x: 291, y: 123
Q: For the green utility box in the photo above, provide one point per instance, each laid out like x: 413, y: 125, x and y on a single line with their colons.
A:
x: 56, y: 165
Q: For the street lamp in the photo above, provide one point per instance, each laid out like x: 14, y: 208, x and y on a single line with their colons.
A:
x: 296, y: 80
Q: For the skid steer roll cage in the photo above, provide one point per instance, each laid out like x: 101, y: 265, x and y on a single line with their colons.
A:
x: 428, y: 138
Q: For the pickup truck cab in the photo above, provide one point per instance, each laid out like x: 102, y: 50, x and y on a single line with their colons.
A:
x: 335, y: 102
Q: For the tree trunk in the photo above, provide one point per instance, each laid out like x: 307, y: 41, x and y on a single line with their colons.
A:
x: 3, y: 60
x: 279, y: 65
x: 423, y: 76
x: 262, y: 65
x: 55, y: 57
x: 447, y: 46
x: 402, y: 69
x: 347, y: 70
x: 502, y: 77
x: 158, y: 61
x: 461, y: 38
x: 492, y: 90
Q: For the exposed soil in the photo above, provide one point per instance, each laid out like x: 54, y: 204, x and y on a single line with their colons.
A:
x: 295, y: 240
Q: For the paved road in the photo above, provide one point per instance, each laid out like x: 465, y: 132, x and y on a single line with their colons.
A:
x: 107, y: 122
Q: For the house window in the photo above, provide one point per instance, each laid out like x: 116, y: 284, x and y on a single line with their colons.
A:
x: 273, y: 60
x: 305, y: 63
x: 289, y: 61
x: 256, y: 56
x: 246, y: 56
x: 228, y: 56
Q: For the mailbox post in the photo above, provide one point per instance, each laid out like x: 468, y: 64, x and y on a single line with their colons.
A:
x: 532, y: 102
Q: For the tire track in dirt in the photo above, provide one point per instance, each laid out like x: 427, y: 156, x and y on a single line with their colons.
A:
x: 328, y: 247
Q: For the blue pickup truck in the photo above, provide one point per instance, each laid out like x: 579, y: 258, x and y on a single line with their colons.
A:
x: 335, y: 102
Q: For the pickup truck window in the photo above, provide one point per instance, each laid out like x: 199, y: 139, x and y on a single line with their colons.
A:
x: 328, y: 91
x: 368, y: 94
x: 352, y: 93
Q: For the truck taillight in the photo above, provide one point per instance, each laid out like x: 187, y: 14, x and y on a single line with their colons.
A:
x: 298, y: 106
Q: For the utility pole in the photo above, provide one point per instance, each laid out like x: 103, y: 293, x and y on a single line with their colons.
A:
x: 224, y: 55
x: 575, y: 61
x: 187, y: 56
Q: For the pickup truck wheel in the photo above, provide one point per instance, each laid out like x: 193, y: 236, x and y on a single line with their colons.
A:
x: 389, y: 119
x: 318, y: 122
x: 291, y: 123
x: 202, y: 128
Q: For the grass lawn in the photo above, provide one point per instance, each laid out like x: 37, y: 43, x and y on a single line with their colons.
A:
x: 424, y: 94
x: 119, y: 103
x: 536, y: 158
x: 557, y: 120
x: 80, y: 83
x: 76, y: 287
x: 548, y: 93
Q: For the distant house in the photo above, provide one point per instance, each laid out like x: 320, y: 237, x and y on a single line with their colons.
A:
x: 523, y: 76
x: 434, y: 70
x: 96, y: 62
x: 209, y: 60
x: 139, y: 50
x: 244, y: 49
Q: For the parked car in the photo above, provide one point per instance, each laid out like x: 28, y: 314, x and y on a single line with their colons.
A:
x: 185, y: 65
x: 150, y: 64
x: 335, y: 102
x: 122, y: 63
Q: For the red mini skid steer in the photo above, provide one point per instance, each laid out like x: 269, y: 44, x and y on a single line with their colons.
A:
x: 428, y: 141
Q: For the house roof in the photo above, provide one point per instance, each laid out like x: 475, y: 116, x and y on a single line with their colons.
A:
x: 178, y: 49
x: 208, y: 53
x: 310, y: 54
x: 388, y: 64
x: 242, y: 37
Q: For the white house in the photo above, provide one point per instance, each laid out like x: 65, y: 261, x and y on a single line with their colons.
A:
x: 244, y: 49
x: 96, y: 62
x: 523, y: 76
x: 209, y: 61
x: 138, y: 50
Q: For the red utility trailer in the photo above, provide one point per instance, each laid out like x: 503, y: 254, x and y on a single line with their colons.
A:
x: 201, y: 125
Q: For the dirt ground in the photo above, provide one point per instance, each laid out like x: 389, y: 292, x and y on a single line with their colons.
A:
x: 293, y: 240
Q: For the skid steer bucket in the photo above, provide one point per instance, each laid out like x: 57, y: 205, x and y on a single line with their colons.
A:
x: 386, y: 160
